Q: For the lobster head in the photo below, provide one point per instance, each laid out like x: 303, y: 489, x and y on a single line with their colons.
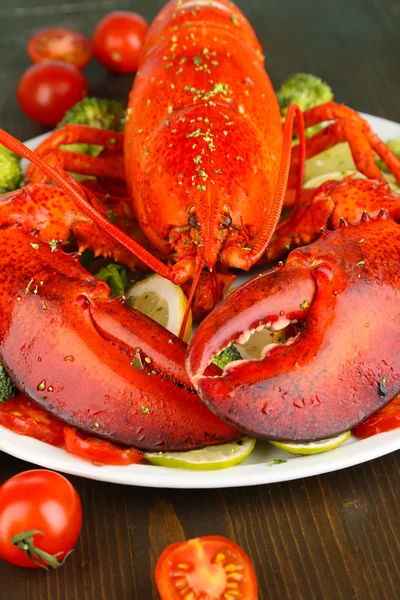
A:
x: 336, y: 307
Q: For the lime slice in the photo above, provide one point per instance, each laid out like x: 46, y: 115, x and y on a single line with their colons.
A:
x: 313, y: 447
x: 338, y: 158
x: 315, y: 182
x: 162, y: 301
x: 336, y: 163
x: 206, y: 459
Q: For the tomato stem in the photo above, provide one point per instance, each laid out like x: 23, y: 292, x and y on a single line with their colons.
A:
x: 25, y: 542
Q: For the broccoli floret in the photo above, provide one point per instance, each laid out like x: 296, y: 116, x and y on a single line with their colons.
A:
x: 228, y: 355
x: 306, y: 91
x: 95, y: 112
x: 7, y: 388
x: 116, y: 277
x: 394, y: 145
x: 10, y: 170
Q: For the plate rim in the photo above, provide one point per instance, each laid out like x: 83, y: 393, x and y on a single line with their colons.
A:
x: 245, y: 475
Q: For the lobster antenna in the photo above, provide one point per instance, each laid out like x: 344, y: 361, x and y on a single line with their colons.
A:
x: 75, y: 192
x: 264, y: 237
x: 193, y: 287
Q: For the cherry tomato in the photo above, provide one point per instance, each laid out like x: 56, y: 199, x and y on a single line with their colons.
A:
x: 22, y: 416
x: 99, y: 451
x: 118, y: 41
x: 48, y: 89
x: 38, y: 501
x: 385, y: 420
x: 211, y: 567
x: 60, y: 44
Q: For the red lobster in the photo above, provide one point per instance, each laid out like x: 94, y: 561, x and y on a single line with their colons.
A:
x: 207, y: 166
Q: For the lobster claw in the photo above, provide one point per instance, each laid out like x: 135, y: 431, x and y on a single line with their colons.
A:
x: 340, y: 298
x: 93, y: 362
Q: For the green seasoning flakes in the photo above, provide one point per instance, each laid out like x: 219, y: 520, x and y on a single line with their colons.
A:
x: 277, y: 461
x: 145, y: 410
x: 382, y: 389
x: 29, y: 285
x: 137, y: 360
x: 196, y: 133
x: 304, y: 304
x: 53, y: 245
x: 112, y: 216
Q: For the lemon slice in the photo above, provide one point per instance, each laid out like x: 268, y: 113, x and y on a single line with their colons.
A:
x: 206, y: 459
x: 162, y: 301
x: 313, y: 447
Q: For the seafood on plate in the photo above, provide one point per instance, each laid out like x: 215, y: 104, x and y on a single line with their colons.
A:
x: 205, y: 165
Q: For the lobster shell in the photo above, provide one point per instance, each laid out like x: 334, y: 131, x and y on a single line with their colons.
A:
x: 94, y: 362
x: 343, y: 291
x: 203, y: 131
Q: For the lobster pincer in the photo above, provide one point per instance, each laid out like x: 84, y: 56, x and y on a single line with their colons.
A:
x: 94, y: 362
x: 337, y: 301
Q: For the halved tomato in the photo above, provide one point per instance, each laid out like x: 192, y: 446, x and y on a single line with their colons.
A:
x: 385, y: 420
x: 22, y: 416
x: 60, y: 44
x: 99, y: 451
x: 211, y: 567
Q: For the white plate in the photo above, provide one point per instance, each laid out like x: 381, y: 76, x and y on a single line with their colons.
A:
x: 255, y: 470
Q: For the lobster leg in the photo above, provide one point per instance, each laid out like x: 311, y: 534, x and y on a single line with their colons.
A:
x: 54, y: 215
x: 82, y: 164
x: 349, y: 127
x: 342, y: 363
x: 326, y: 207
x: 72, y: 134
x: 75, y: 192
x: 95, y: 363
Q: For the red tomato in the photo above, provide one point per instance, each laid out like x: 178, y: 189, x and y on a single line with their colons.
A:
x: 60, y: 44
x: 39, y: 501
x: 99, y: 451
x: 47, y: 90
x: 118, y: 41
x: 22, y: 416
x: 385, y: 420
x: 211, y: 567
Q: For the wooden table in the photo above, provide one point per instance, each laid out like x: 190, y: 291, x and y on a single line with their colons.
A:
x: 329, y: 537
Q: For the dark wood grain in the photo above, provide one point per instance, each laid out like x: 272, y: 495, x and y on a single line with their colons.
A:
x: 331, y: 537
